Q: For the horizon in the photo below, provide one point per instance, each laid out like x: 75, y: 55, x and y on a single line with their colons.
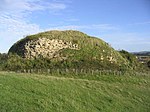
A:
x: 125, y: 25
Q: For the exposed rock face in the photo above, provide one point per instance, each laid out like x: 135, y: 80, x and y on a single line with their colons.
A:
x: 45, y: 48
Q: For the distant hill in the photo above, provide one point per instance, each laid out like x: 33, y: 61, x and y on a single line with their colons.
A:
x: 142, y: 53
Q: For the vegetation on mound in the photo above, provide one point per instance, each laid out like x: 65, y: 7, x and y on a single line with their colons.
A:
x: 93, y: 52
x: 133, y: 61
x: 15, y: 63
x: 109, y: 93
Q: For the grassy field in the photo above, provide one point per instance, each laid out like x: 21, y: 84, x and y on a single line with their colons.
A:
x: 43, y: 93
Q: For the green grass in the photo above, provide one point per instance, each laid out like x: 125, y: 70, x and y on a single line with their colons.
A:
x: 43, y: 93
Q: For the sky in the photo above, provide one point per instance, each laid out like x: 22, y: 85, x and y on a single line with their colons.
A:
x: 124, y: 24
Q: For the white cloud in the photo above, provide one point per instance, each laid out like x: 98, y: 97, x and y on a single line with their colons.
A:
x: 17, y: 26
x: 14, y: 22
x: 30, y: 5
x: 11, y: 30
x: 22, y: 8
x: 56, y: 6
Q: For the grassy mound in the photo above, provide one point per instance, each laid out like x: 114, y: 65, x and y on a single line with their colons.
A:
x: 36, y: 93
x: 93, y: 52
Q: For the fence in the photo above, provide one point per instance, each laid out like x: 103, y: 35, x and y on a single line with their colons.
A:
x: 80, y: 71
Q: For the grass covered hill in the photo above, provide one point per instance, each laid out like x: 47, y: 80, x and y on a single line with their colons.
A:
x: 77, y: 50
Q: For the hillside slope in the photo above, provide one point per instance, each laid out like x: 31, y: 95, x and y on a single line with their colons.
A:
x: 69, y: 49
x: 39, y: 93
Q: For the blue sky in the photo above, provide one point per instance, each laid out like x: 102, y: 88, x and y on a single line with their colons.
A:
x: 125, y: 24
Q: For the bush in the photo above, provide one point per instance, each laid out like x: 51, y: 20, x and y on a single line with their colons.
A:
x: 133, y: 61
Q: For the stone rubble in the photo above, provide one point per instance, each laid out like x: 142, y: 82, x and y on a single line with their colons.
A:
x: 46, y: 48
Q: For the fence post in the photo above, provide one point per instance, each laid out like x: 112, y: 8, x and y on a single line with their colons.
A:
x: 114, y: 72
x: 92, y: 72
x: 100, y: 72
x: 76, y: 71
x: 39, y: 70
x: 73, y: 70
x: 28, y: 70
x: 81, y: 71
x: 120, y: 72
x: 84, y: 71
x: 31, y: 71
x: 58, y: 71
x: 48, y: 70
x: 67, y: 71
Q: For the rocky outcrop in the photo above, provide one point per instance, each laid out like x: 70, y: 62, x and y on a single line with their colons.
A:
x: 46, y: 48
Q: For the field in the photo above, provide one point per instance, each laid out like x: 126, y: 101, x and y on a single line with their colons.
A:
x: 22, y: 92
